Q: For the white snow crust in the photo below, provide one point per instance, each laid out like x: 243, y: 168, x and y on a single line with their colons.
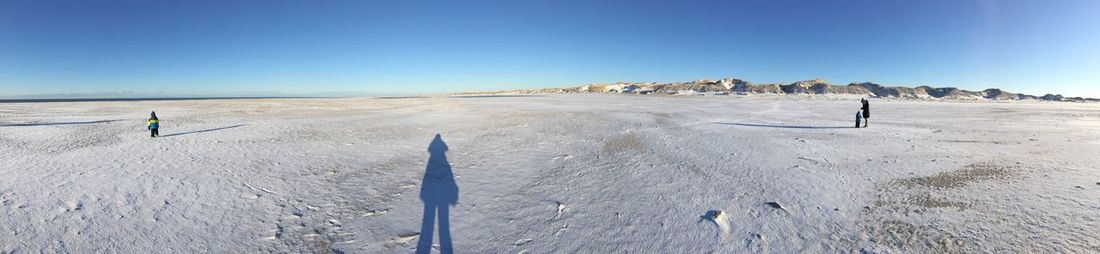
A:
x: 571, y: 173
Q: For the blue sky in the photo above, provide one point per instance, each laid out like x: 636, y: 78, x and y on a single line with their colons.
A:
x: 400, y: 47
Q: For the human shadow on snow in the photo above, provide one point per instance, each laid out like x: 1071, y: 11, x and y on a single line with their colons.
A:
x: 786, y: 126
x: 439, y: 192
x: 201, y: 131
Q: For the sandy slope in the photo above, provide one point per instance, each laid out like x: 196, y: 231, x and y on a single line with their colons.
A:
x: 561, y: 173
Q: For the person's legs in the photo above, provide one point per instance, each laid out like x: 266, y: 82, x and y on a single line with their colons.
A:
x: 865, y: 121
x: 156, y: 132
x: 152, y: 133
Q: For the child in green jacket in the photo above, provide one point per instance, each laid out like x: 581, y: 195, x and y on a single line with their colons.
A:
x: 154, y: 124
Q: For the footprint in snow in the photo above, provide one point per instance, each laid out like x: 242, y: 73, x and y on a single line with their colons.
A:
x: 402, y: 239
x: 754, y: 238
x: 373, y: 213
x: 777, y: 207
x: 522, y: 241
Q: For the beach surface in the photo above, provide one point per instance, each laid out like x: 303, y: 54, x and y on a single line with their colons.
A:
x: 572, y: 173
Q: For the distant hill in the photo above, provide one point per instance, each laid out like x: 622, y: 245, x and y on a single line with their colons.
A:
x: 810, y: 87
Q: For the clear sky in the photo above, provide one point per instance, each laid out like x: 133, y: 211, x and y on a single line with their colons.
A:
x: 373, y: 47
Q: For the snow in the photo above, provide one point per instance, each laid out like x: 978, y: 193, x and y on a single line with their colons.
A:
x: 588, y: 173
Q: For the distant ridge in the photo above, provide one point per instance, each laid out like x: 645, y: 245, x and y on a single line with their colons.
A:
x: 810, y: 87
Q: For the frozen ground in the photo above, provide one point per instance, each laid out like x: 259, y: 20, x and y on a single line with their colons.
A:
x: 560, y: 173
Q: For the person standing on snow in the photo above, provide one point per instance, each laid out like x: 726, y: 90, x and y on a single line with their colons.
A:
x: 866, y: 111
x: 154, y: 124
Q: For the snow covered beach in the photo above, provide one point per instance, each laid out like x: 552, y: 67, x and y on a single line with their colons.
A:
x: 583, y: 173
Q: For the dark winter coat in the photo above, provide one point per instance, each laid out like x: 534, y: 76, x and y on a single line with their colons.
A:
x: 866, y: 109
